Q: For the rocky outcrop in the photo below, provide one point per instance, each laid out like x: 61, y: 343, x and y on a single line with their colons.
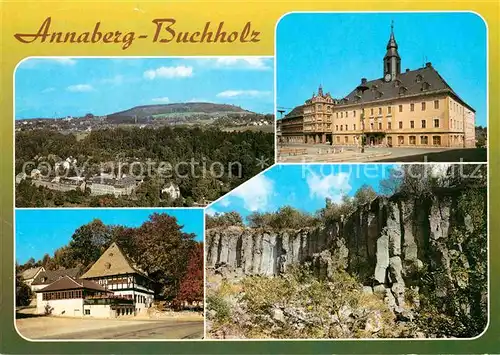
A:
x: 385, y: 243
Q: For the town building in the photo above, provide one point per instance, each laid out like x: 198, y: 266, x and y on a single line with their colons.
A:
x: 414, y: 108
x: 29, y: 275
x: 46, y: 277
x: 112, y: 186
x: 68, y: 297
x: 20, y: 177
x: 117, y: 273
x: 112, y: 287
x: 60, y: 183
x: 172, y: 190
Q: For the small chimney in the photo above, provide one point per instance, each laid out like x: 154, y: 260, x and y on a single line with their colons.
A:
x: 363, y: 80
x: 407, y: 70
x: 428, y: 64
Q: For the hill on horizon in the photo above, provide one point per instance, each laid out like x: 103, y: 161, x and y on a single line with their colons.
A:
x: 177, y: 110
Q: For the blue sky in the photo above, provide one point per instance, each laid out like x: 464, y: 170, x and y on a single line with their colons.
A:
x: 42, y: 231
x: 337, y: 50
x: 302, y: 186
x: 58, y: 87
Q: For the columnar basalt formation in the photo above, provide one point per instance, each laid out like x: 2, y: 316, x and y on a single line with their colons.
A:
x: 386, y: 243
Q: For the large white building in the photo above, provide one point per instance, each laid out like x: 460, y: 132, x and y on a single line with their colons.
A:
x: 68, y: 296
x: 117, y: 273
x: 112, y: 287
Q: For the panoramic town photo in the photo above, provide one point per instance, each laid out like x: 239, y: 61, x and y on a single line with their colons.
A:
x: 140, y: 132
x: 350, y: 251
x: 109, y: 274
x: 382, y: 90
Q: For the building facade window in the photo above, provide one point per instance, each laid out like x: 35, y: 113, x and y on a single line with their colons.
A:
x: 371, y: 126
x: 354, y: 113
x: 341, y: 115
x: 346, y: 114
x: 423, y: 123
x: 380, y: 125
x: 389, y: 141
x: 346, y: 139
x: 400, y: 108
x: 412, y: 124
x: 412, y: 107
x: 413, y: 140
x: 346, y: 128
x: 336, y: 127
x: 338, y: 139
x: 341, y: 126
x: 354, y: 126
x: 436, y: 104
x: 371, y: 111
x: 436, y: 123
x: 389, y: 125
x: 401, y: 140
x: 436, y: 140
x: 423, y: 106
x: 389, y: 110
x: 424, y: 140
x: 400, y: 124
x: 380, y: 110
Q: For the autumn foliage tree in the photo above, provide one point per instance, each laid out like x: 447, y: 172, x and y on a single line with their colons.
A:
x: 191, y: 288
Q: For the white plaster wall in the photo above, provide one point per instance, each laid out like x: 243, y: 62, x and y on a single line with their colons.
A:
x: 99, y: 311
x: 67, y: 308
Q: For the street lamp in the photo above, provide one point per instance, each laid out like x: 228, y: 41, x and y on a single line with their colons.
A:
x: 361, y: 90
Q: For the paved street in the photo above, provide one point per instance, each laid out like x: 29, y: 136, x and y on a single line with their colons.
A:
x: 78, y: 328
x: 298, y: 153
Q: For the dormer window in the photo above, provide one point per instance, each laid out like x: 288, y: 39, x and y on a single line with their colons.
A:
x: 402, y: 90
x: 397, y: 83
x: 419, y: 78
x: 425, y: 86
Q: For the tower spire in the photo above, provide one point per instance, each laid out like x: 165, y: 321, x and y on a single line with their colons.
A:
x: 392, y: 60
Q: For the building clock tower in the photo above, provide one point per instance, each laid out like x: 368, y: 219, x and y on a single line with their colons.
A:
x: 392, y: 60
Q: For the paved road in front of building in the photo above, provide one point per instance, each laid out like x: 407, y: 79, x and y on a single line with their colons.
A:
x: 151, y: 330
x: 77, y: 328
x: 329, y: 154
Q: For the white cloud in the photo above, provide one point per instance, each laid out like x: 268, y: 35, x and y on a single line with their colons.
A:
x: 210, y: 211
x: 255, y: 193
x: 180, y: 71
x: 80, y: 88
x: 243, y: 93
x: 253, y: 63
x: 47, y: 90
x: 64, y: 61
x: 164, y: 100
x: 225, y: 202
x: 332, y: 186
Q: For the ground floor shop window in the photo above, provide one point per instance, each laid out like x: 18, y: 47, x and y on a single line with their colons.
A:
x: 413, y: 140
x: 401, y: 140
x: 436, y: 140
x: 424, y: 140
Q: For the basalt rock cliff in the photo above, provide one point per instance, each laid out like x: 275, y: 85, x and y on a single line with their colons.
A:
x: 391, y: 244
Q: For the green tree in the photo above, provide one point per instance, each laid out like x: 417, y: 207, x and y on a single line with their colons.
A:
x: 89, y: 241
x: 23, y: 293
